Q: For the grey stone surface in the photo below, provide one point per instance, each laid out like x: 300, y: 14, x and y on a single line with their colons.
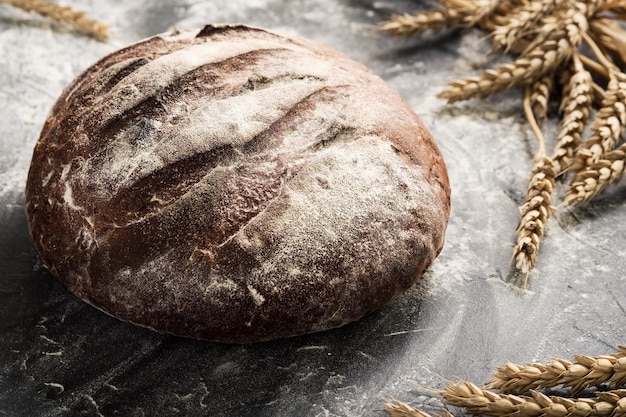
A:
x: 61, y: 357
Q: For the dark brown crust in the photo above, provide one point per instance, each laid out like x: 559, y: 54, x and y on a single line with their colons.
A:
x: 235, y: 185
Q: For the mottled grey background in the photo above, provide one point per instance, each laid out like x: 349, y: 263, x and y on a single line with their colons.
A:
x: 61, y: 357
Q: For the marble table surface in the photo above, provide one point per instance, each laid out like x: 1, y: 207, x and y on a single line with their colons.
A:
x: 61, y: 357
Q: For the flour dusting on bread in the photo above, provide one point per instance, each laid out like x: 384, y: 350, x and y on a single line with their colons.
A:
x: 235, y: 185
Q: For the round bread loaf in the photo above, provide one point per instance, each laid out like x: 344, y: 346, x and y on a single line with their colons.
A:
x: 235, y: 185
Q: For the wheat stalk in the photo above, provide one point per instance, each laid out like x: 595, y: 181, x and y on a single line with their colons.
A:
x: 583, y: 372
x: 478, y: 401
x: 537, y: 207
x: 63, y: 14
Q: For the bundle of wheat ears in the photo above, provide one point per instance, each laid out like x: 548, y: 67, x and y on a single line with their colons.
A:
x: 75, y: 20
x: 546, y: 39
x: 502, y: 396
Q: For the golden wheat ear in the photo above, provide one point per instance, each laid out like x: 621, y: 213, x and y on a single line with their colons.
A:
x: 576, y: 107
x: 582, y: 373
x: 64, y: 15
x: 407, y: 25
x: 537, y: 208
x: 478, y: 401
x: 395, y: 408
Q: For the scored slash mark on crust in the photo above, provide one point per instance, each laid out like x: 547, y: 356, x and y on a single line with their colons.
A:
x: 201, y: 164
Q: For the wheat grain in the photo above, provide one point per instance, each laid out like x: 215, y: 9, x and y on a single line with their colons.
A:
x: 395, y: 408
x: 576, y: 106
x: 584, y: 372
x: 609, y: 122
x: 540, y: 96
x: 522, y: 20
x: 406, y: 25
x: 610, y: 36
x: 608, y: 126
x: 498, y: 15
x: 400, y: 409
x: 457, y: 13
x: 534, y: 214
x: 593, y: 179
x: 478, y: 401
x: 595, y: 6
x: 566, y: 23
x: 64, y: 14
x: 524, y: 70
x: 474, y: 11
